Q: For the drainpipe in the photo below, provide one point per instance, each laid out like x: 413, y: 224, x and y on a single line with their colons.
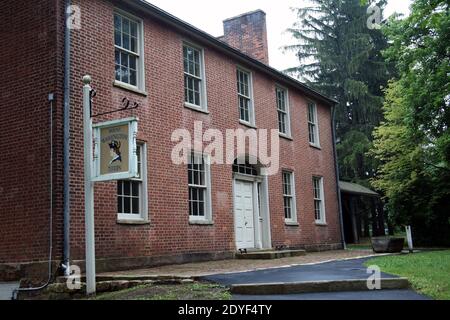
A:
x: 336, y: 166
x: 66, y: 258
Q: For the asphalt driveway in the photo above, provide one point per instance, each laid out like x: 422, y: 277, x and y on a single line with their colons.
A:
x: 337, y: 270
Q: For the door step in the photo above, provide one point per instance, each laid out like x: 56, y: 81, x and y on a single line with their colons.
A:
x: 269, y: 254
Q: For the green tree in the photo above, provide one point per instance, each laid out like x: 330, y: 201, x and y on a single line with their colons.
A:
x: 413, y: 144
x: 341, y: 57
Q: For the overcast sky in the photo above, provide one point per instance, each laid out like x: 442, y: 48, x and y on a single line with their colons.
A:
x: 208, y: 15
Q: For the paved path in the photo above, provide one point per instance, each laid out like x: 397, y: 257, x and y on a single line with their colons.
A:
x: 6, y: 290
x: 337, y: 270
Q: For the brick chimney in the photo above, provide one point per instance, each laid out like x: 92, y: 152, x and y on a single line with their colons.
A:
x: 248, y: 33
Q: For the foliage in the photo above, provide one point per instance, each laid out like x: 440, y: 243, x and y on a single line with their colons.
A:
x: 413, y: 144
x: 429, y: 273
x: 341, y: 57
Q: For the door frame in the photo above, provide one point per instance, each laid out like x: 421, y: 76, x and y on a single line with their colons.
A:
x: 260, y: 210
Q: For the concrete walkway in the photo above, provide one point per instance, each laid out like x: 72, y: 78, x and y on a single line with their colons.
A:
x: 6, y: 290
x: 234, y: 265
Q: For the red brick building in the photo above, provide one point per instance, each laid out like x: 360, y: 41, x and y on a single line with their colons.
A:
x: 178, y: 75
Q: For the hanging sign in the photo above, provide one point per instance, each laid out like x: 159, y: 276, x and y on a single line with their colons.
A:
x: 115, y: 150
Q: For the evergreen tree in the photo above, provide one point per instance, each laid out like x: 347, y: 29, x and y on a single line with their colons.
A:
x: 341, y: 57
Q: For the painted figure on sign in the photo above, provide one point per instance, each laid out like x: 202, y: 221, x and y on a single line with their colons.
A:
x: 116, y: 155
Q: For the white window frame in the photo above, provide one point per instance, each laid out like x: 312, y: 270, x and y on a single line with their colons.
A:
x: 203, y: 107
x: 208, y: 217
x: 315, y: 125
x: 288, y: 133
x: 143, y: 191
x: 140, y: 66
x: 322, y: 220
x: 252, y: 118
x: 293, y: 219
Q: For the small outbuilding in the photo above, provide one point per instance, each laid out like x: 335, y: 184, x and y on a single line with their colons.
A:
x: 363, y: 212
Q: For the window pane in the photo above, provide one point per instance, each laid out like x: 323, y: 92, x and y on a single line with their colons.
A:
x: 117, y: 38
x: 119, y: 204
x: 132, y: 60
x: 201, y: 209
x: 135, y: 205
x: 133, y: 45
x: 195, y: 208
x: 117, y: 56
x: 126, y: 188
x: 135, y: 189
x: 134, y: 29
x: 126, y: 26
x: 133, y: 80
x: 125, y: 75
x: 126, y: 41
x: 118, y: 73
x: 124, y: 59
x: 119, y: 187
x: 127, y: 205
x: 117, y: 22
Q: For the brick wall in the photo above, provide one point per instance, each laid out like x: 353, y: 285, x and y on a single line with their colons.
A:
x: 30, y: 56
x: 33, y: 68
x: 161, y: 112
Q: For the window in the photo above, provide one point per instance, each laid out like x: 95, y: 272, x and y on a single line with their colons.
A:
x: 244, y: 84
x: 319, y: 207
x: 290, y: 213
x: 313, y: 125
x: 128, y: 43
x: 194, y: 84
x: 283, y: 111
x: 199, y: 188
x: 132, y: 194
x: 244, y: 168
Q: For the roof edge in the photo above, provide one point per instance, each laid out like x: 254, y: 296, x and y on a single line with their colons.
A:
x: 172, y: 20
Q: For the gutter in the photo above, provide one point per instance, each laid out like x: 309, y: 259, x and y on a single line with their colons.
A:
x: 336, y: 168
x: 201, y: 36
x: 66, y: 156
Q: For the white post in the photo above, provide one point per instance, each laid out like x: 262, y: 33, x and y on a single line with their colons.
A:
x: 88, y: 188
x: 409, y: 238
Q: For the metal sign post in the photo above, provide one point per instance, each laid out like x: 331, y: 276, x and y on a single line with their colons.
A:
x: 88, y: 188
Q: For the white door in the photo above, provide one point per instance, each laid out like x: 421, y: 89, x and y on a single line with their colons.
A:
x: 244, y: 215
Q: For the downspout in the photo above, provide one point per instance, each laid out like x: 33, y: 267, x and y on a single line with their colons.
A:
x: 66, y: 258
x: 336, y: 167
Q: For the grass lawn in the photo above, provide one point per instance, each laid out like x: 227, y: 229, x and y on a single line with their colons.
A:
x: 428, y: 272
x: 191, y: 291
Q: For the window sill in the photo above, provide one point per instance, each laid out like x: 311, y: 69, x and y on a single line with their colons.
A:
x: 247, y: 124
x: 137, y: 222
x: 128, y: 87
x: 291, y: 224
x: 321, y: 224
x: 193, y: 107
x: 284, y: 136
x: 201, y: 222
x: 315, y: 146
